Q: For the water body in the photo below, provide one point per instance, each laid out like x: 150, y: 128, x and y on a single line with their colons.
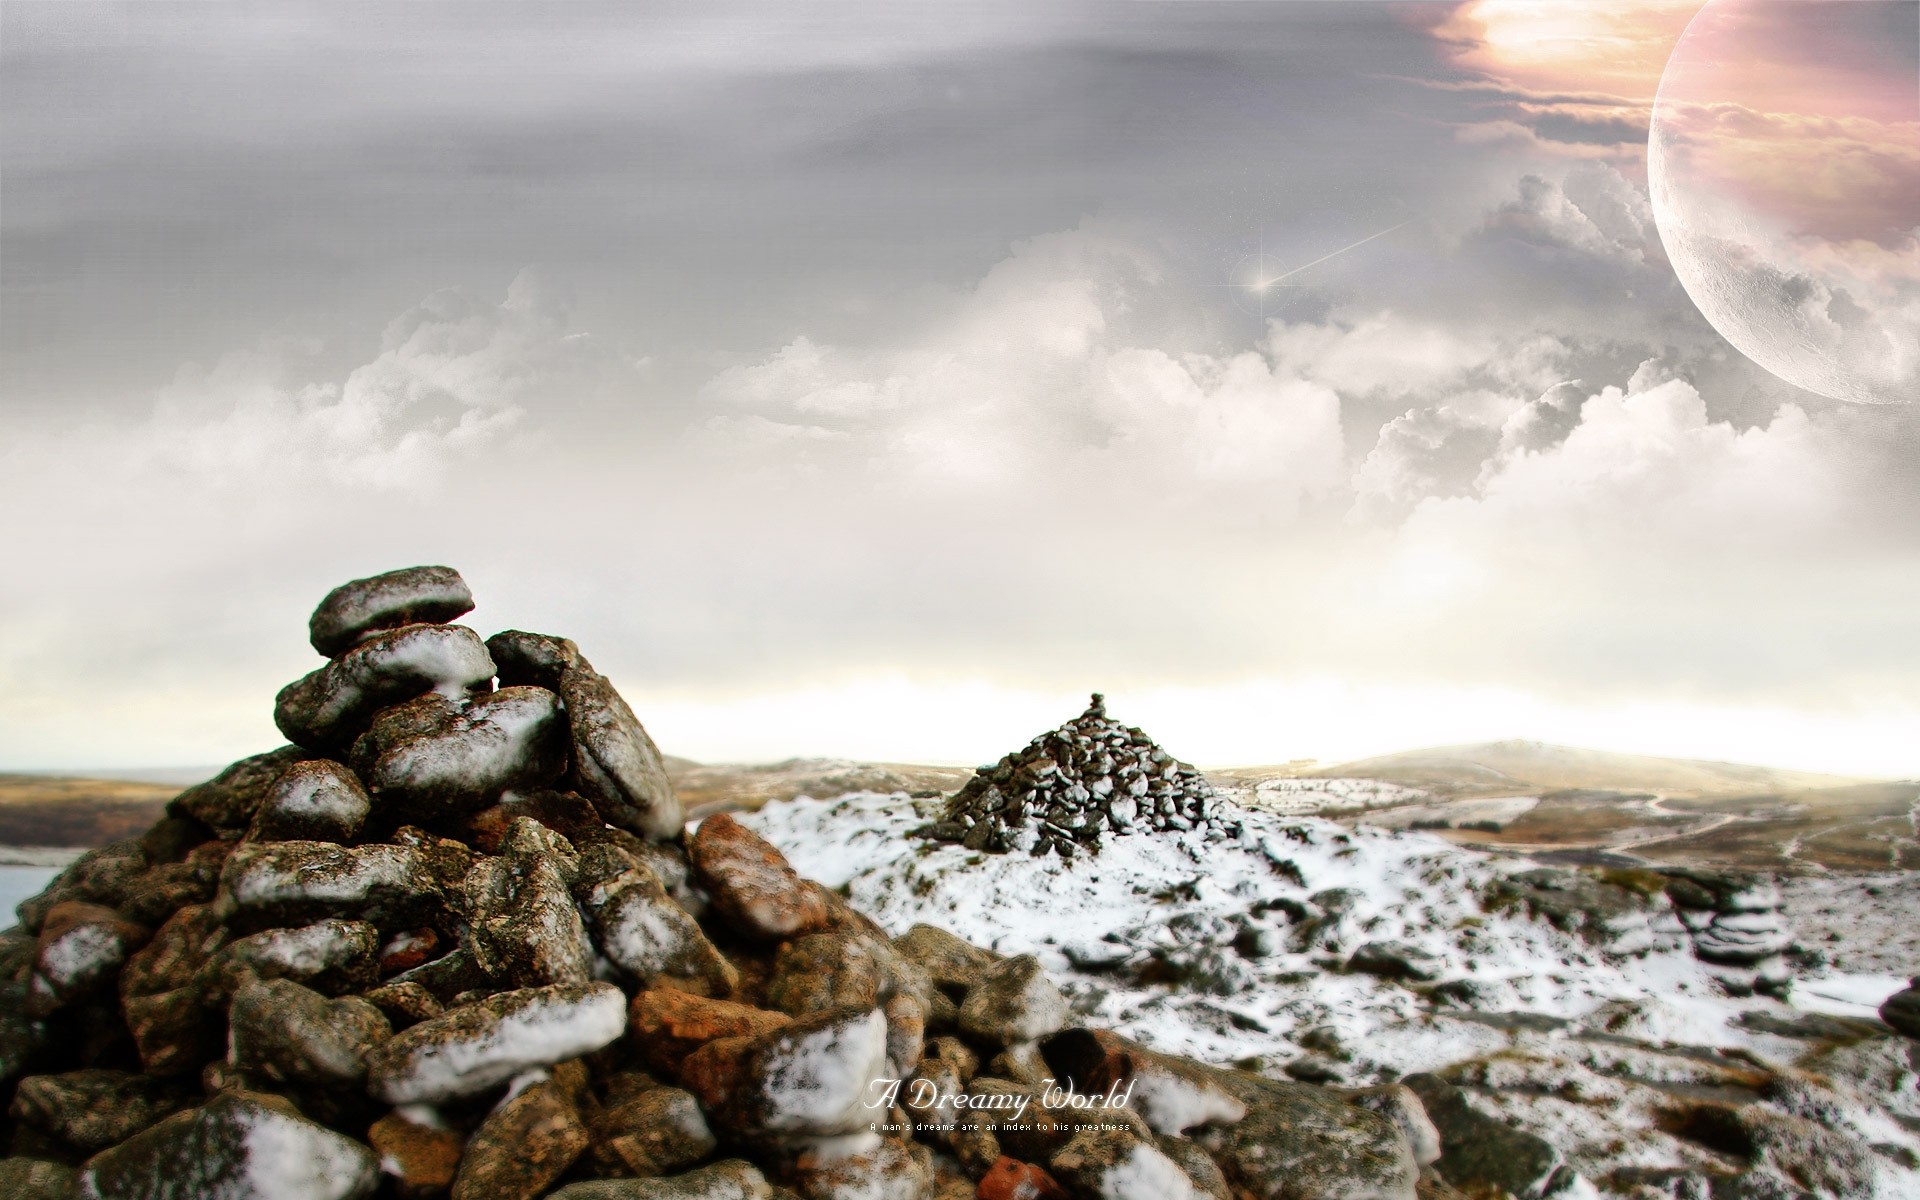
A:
x: 17, y: 883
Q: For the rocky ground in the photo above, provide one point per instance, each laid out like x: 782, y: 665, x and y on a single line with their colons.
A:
x: 459, y: 939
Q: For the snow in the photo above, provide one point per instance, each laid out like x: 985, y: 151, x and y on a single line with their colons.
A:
x: 1298, y: 797
x: 1146, y: 1174
x: 1172, y: 1104
x: 1536, y: 992
x: 273, y: 872
x: 816, y: 1083
x: 1846, y: 995
x: 288, y: 1156
x: 308, y: 950
x: 536, y: 1027
x: 80, y: 955
x: 481, y: 749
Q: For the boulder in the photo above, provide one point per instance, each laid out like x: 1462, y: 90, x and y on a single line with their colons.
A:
x: 433, y: 758
x: 420, y: 1156
x: 669, y: 1024
x: 79, y: 954
x: 284, y: 1032
x: 1013, y: 1002
x: 326, y: 710
x: 1299, y: 1141
x: 522, y: 926
x: 313, y: 801
x: 752, y: 885
x: 643, y: 932
x: 1171, y: 1094
x: 522, y: 1147
x: 480, y: 1046
x: 615, y: 764
x: 354, y: 611
x: 1902, y: 1011
x: 293, y: 883
x: 656, y: 1132
x: 1117, y: 1164
x: 238, y: 1146
x: 811, y: 1078
x: 1479, y: 1151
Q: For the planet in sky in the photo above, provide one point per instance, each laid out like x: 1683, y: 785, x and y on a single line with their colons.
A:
x: 1783, y: 162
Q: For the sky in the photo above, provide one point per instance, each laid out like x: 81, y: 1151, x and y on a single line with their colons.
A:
x: 876, y: 381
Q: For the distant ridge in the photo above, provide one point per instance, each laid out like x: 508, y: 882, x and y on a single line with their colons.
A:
x: 1518, y: 764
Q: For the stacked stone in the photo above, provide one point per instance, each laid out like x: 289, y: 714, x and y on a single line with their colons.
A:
x: 455, y: 941
x: 1074, y: 785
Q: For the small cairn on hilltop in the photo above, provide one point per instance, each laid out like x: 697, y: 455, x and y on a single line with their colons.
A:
x: 1072, y: 786
x: 456, y: 941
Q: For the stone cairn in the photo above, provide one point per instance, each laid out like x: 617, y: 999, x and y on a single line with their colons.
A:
x: 1072, y: 786
x: 457, y: 941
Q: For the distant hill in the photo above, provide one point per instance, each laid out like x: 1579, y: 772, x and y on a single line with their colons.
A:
x: 1509, y: 766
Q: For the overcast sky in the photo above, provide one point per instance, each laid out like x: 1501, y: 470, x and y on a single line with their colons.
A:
x: 876, y: 380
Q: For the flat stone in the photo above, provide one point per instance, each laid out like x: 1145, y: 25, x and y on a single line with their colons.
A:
x: 480, y: 1046
x: 238, y: 1146
x: 752, y: 885
x: 668, y: 1024
x: 1479, y: 1151
x: 536, y: 658
x: 331, y: 957
x: 292, y: 1034
x: 416, y: 595
x: 643, y: 932
x: 657, y: 1132
x: 434, y: 758
x: 313, y: 801
x: 615, y: 764
x: 522, y: 925
x: 1012, y: 1002
x: 811, y: 1078
x: 326, y: 710
x: 522, y: 1147
x: 293, y: 883
x: 1394, y: 960
x: 887, y: 1170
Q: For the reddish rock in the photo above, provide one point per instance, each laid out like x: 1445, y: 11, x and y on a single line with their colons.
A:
x: 405, y: 951
x: 522, y: 1146
x: 752, y: 884
x: 669, y: 1025
x: 422, y: 1159
x: 1010, y: 1179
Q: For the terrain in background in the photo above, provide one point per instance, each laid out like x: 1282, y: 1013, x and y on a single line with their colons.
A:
x: 1515, y: 796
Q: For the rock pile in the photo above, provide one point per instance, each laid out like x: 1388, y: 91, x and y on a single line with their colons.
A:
x: 1073, y: 786
x: 1731, y: 920
x: 455, y: 941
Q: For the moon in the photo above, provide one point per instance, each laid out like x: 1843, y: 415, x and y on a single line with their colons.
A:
x: 1783, y: 165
